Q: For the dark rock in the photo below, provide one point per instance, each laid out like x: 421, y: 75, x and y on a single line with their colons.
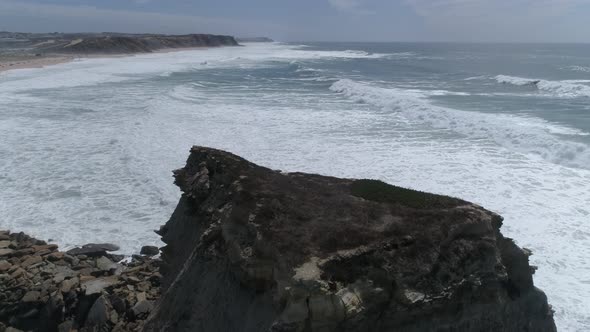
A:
x: 93, y: 249
x: 105, y: 264
x: 118, y: 304
x: 150, y: 251
x: 66, y: 326
x: 142, y: 308
x: 99, y: 312
x: 251, y: 249
x: 12, y: 329
x: 4, y: 265
x: 31, y: 261
x: 32, y: 296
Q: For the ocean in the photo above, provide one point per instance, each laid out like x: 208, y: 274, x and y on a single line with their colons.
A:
x: 87, y: 148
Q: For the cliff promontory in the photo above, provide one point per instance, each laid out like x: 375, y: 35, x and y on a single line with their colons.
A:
x: 254, y: 249
x: 105, y: 43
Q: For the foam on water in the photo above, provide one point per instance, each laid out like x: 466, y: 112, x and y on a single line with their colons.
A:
x: 565, y: 89
x: 527, y: 135
x: 580, y: 69
x: 87, y: 148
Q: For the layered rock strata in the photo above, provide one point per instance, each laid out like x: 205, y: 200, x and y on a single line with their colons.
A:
x: 254, y: 249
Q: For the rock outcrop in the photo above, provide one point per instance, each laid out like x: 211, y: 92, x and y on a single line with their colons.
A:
x: 85, y: 289
x: 253, y: 249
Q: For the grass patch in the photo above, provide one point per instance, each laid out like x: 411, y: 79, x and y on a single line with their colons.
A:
x: 379, y: 191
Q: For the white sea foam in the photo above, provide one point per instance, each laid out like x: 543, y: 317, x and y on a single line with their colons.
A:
x: 580, y: 68
x: 474, y: 78
x: 527, y: 135
x: 565, y: 89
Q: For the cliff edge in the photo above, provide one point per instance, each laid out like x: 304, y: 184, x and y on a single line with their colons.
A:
x: 253, y: 249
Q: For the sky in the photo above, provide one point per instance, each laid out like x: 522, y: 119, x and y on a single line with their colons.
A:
x: 313, y: 20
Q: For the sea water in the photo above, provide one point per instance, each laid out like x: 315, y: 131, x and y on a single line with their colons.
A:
x: 87, y: 148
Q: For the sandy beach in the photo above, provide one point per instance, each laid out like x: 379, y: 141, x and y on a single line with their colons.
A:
x: 23, y: 61
x: 11, y: 62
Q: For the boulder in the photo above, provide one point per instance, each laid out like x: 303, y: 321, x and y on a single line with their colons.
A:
x: 99, y: 313
x: 97, y: 285
x: 142, y: 308
x: 4, y: 266
x: 253, y: 249
x: 93, y: 249
x: 105, y: 264
x: 32, y: 296
x: 31, y: 261
x: 150, y: 251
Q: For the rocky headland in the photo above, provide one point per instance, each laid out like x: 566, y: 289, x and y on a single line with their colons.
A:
x: 29, y: 50
x: 254, y: 249
x: 106, y: 43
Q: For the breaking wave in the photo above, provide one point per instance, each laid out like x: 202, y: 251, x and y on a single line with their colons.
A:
x: 563, y: 89
x: 526, y: 135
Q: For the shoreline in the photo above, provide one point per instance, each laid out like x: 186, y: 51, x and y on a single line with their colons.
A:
x: 27, y: 62
x: 23, y: 61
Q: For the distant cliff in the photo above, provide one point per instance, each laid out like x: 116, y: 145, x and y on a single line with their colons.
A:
x: 254, y: 40
x: 106, y: 43
x: 138, y: 43
x: 252, y: 249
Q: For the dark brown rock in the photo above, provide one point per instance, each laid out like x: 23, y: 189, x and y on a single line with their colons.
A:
x: 150, y: 251
x: 99, y: 313
x: 4, y: 266
x: 252, y: 249
x: 93, y: 249
x: 31, y: 261
x: 32, y: 296
x: 142, y: 309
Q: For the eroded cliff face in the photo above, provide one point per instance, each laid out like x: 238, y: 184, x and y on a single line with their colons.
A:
x: 124, y: 43
x: 252, y: 249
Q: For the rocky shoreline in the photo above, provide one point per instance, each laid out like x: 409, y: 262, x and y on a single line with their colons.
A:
x: 83, y: 289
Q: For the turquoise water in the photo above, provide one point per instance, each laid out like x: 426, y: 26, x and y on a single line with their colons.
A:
x: 87, y: 148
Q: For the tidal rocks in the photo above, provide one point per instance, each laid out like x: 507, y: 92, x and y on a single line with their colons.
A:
x: 43, y: 289
x: 149, y: 251
x: 252, y: 249
x: 93, y: 249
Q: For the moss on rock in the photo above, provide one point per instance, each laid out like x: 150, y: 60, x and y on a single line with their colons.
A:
x: 379, y: 191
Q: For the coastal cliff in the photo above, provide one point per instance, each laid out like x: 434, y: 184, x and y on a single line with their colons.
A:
x: 253, y: 249
x: 106, y: 43
x: 137, y: 43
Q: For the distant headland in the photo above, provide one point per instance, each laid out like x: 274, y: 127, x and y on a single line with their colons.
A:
x: 27, y: 50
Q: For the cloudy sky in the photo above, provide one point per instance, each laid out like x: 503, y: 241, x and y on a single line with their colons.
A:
x: 308, y: 20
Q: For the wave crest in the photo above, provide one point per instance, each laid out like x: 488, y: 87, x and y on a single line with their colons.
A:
x: 527, y: 135
x: 564, y: 89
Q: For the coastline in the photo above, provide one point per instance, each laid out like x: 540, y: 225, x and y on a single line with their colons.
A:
x: 22, y: 61
x: 27, y: 62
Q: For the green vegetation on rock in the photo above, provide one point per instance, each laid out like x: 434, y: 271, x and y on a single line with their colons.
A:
x: 379, y: 191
